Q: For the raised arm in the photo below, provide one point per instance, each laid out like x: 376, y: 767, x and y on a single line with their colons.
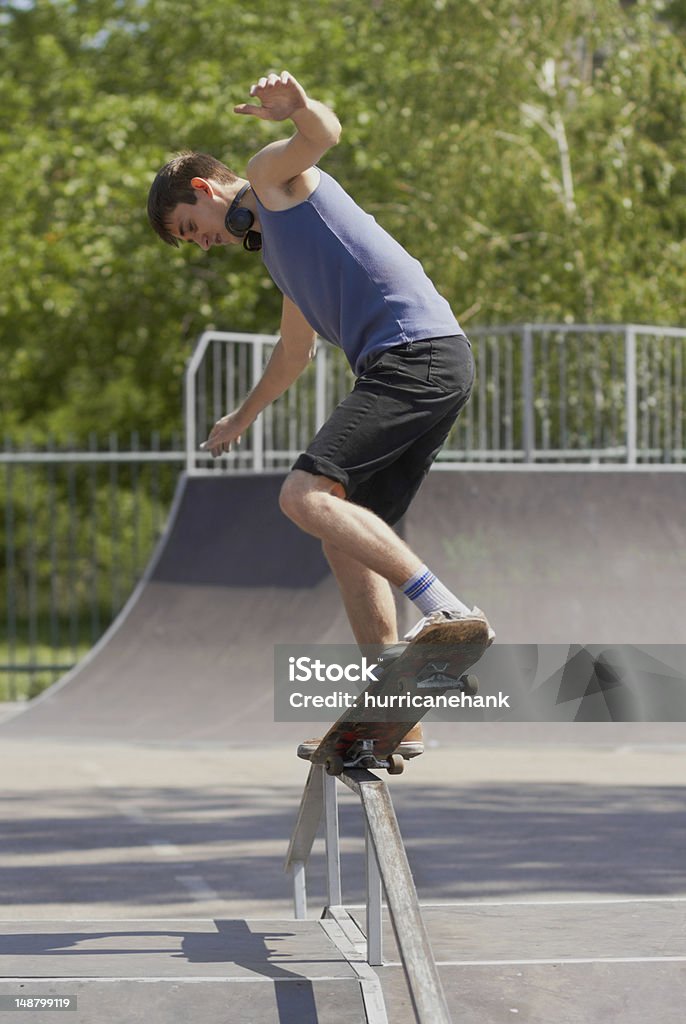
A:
x: 281, y: 97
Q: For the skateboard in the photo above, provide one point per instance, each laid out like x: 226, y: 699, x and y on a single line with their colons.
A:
x: 435, y: 662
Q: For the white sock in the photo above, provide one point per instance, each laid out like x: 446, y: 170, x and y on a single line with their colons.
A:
x: 429, y: 594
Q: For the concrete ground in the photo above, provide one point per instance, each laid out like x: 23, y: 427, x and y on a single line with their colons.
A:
x: 552, y: 876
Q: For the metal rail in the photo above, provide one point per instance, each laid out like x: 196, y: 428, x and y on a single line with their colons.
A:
x: 387, y: 869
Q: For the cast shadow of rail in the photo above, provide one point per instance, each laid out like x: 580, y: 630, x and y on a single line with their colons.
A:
x: 247, y: 949
x: 463, y: 841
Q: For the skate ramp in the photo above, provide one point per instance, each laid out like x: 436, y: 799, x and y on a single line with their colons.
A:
x: 560, y: 557
x: 553, y: 557
x: 190, y: 658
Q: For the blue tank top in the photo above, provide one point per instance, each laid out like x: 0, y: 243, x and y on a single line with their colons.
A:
x: 356, y: 286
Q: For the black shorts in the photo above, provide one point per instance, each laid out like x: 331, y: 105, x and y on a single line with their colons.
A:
x: 380, y: 442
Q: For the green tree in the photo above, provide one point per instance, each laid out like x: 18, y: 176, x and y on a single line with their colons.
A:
x: 529, y: 153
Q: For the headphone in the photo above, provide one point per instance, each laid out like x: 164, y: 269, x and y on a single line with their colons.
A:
x: 239, y: 221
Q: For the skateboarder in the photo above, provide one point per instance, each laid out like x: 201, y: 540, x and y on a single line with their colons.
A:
x: 342, y: 277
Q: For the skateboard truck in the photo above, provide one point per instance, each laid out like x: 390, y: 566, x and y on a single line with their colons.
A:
x: 361, y: 755
x: 436, y: 677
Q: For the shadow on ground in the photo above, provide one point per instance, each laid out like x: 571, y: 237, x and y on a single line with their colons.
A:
x: 485, y: 841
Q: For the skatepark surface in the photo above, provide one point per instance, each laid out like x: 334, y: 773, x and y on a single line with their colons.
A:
x: 148, y: 798
x: 149, y: 883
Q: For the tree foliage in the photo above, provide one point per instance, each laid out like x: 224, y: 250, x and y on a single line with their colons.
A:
x: 530, y: 153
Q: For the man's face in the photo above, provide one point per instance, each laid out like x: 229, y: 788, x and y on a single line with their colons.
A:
x: 203, y: 221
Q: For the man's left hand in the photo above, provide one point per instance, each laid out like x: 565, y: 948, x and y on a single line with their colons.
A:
x: 279, y: 95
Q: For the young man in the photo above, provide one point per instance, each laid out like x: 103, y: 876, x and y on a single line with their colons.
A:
x: 343, y: 277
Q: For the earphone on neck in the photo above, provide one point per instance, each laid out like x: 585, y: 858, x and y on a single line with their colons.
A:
x: 239, y: 221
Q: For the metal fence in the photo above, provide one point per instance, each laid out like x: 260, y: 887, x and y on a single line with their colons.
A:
x: 581, y: 393
x: 76, y: 532
x: 544, y: 393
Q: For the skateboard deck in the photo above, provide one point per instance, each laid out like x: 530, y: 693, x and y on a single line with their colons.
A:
x: 434, y: 662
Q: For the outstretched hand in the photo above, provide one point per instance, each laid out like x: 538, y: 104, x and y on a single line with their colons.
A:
x: 279, y: 95
x: 225, y: 433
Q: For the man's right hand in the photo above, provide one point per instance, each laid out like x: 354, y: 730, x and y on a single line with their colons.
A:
x: 226, y: 432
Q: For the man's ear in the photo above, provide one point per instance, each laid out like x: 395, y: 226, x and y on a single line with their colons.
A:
x: 202, y: 185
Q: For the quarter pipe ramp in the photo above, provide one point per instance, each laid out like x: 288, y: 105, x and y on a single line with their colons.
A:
x: 554, y: 557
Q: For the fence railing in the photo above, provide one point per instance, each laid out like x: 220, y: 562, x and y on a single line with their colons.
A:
x: 585, y: 393
x: 598, y: 393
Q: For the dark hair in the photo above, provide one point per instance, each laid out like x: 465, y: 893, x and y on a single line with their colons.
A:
x: 172, y: 185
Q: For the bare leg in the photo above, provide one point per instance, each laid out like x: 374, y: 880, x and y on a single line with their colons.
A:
x: 367, y: 597
x: 370, y: 607
x: 318, y: 506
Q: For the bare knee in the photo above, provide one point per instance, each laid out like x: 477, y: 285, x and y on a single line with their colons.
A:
x: 299, y: 489
x: 293, y: 495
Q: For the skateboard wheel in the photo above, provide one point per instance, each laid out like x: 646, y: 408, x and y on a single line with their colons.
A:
x: 396, y: 764
x: 334, y: 765
x: 470, y: 684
